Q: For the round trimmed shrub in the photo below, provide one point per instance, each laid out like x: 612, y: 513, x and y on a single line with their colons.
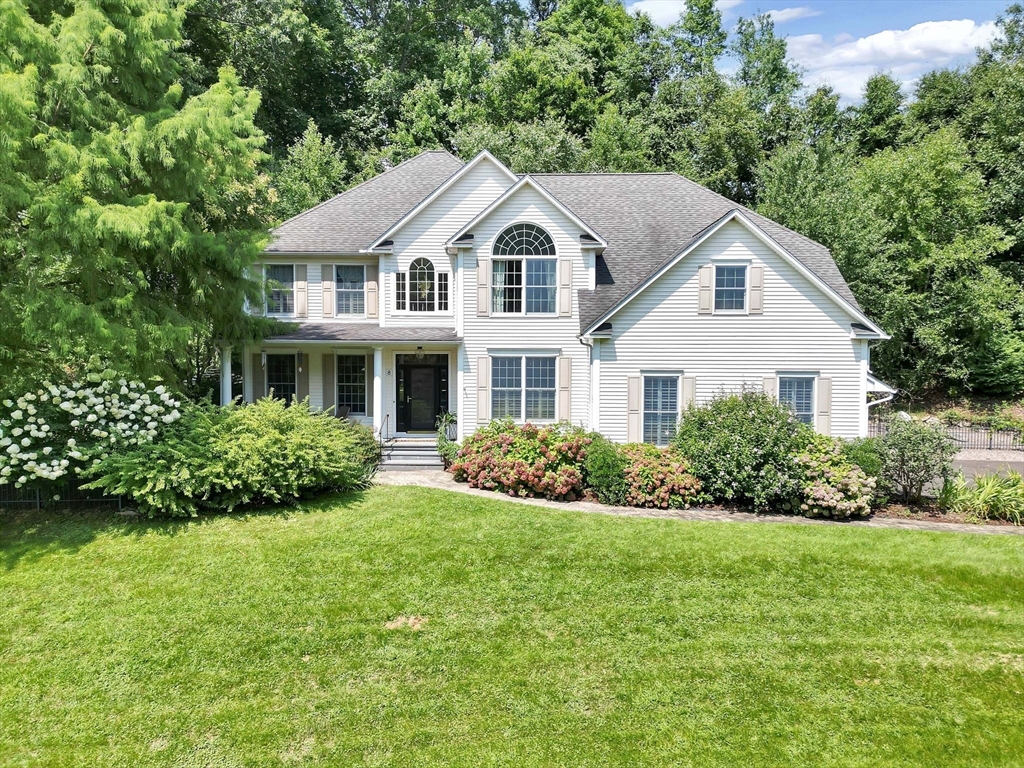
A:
x: 525, y: 460
x: 743, y: 447
x: 831, y: 485
x: 657, y: 478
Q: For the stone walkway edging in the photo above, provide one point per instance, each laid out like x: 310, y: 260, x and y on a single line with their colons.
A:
x: 442, y: 480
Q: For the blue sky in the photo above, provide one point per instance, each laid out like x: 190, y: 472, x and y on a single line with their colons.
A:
x: 843, y: 42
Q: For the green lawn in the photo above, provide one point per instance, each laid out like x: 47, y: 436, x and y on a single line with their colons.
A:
x: 552, y: 638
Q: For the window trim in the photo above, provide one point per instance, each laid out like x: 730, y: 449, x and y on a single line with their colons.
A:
x: 644, y: 376
x: 548, y: 355
x: 334, y: 271
x: 266, y: 296
x: 522, y: 312
x: 367, y: 394
x: 266, y: 376
x: 813, y: 377
x: 407, y: 312
x: 746, y: 287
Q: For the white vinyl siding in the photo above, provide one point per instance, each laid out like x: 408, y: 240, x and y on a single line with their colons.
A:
x: 501, y: 334
x: 425, y: 235
x: 800, y: 329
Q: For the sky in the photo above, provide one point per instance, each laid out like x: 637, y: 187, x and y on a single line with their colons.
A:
x: 844, y: 42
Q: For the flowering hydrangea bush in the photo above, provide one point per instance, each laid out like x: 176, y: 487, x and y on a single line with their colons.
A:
x: 524, y: 460
x: 658, y: 478
x: 60, y: 429
x: 831, y: 486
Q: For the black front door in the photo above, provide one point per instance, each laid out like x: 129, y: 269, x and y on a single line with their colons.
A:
x: 423, y: 405
x: 422, y: 391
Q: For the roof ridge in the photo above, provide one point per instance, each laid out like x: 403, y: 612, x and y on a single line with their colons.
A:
x: 606, y: 173
x: 364, y: 182
x: 741, y: 207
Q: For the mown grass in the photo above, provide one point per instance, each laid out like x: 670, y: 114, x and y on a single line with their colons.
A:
x: 552, y: 638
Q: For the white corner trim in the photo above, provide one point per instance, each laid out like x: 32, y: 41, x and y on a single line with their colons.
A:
x: 508, y: 193
x: 483, y: 155
x: 737, y: 215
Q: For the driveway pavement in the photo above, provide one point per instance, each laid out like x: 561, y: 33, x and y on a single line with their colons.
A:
x: 975, y: 462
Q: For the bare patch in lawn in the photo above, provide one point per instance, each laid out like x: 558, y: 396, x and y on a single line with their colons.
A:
x: 415, y: 623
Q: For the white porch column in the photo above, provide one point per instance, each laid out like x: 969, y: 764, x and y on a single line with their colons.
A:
x: 378, y: 388
x: 460, y: 393
x: 225, y: 375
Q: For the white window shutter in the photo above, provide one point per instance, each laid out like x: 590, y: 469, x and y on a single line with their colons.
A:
x: 565, y: 287
x: 483, y: 390
x: 824, y: 420
x: 483, y: 282
x: 771, y: 387
x: 372, y: 303
x: 689, y: 391
x: 327, y: 379
x: 756, y: 302
x: 327, y: 284
x: 565, y: 388
x: 705, y: 289
x: 634, y: 434
x: 301, y: 304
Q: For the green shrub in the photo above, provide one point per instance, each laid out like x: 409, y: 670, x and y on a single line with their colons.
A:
x: 913, y: 454
x: 447, y: 449
x: 657, y: 478
x: 219, y: 458
x: 830, y: 484
x: 178, y: 474
x: 606, y: 471
x: 742, y: 448
x: 993, y: 496
x: 524, y: 460
x: 866, y: 453
x: 277, y: 453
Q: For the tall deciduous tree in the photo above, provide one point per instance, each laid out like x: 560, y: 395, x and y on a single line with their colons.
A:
x: 128, y: 216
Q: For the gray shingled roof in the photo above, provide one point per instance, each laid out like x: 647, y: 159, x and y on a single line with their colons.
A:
x: 647, y: 218
x: 353, y: 220
x: 363, y: 332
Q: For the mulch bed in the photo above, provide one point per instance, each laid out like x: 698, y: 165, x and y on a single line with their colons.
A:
x: 929, y: 513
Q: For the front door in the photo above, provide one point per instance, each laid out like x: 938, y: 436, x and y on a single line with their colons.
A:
x: 423, y: 405
x: 421, y: 391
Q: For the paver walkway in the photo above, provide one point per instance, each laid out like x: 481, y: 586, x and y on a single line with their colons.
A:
x: 444, y: 481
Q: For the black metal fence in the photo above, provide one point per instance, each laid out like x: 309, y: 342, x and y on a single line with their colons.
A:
x: 64, y: 495
x: 967, y: 436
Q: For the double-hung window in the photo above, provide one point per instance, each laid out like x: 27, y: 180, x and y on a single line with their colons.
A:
x: 730, y: 288
x: 350, y: 280
x: 797, y: 392
x: 520, y: 269
x: 281, y: 377
x: 661, y: 409
x: 281, y: 281
x: 523, y: 388
x: 352, y: 383
x: 422, y: 288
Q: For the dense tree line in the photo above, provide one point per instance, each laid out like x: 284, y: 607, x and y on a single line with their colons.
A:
x: 919, y: 195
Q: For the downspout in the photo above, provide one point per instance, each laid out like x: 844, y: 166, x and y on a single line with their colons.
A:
x: 590, y: 377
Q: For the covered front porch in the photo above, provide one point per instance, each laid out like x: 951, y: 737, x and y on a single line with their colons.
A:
x: 399, y: 386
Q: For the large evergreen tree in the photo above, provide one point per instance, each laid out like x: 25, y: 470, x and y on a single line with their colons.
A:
x: 128, y: 215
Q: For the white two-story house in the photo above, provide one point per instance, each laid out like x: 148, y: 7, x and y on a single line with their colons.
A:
x: 610, y: 300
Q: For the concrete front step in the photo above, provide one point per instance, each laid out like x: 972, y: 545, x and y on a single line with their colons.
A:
x: 411, y: 454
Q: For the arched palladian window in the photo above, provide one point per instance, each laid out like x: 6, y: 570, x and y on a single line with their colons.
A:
x: 427, y: 291
x: 524, y: 240
x: 524, y: 258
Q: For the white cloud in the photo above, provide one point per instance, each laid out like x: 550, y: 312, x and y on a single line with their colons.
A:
x: 783, y: 15
x: 846, y: 63
x: 665, y: 12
